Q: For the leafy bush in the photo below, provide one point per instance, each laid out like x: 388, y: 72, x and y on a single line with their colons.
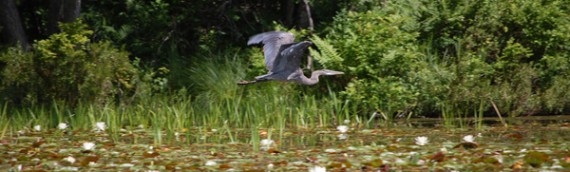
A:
x: 381, y: 56
x: 454, y: 56
x: 68, y: 67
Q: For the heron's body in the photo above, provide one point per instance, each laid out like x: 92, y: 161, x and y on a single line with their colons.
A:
x: 283, y: 59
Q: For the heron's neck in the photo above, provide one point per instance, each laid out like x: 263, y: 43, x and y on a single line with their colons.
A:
x: 310, y: 81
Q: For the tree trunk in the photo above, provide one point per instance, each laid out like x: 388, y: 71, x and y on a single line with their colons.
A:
x: 306, y: 22
x: 71, y: 10
x: 54, y: 15
x: 290, y: 13
x: 12, y: 29
x: 62, y: 11
x: 305, y: 18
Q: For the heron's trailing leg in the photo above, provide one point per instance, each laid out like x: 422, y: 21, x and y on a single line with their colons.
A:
x: 260, y: 78
x: 244, y: 82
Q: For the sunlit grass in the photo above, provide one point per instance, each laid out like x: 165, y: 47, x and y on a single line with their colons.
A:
x: 213, y: 100
x: 4, y: 120
x: 216, y: 102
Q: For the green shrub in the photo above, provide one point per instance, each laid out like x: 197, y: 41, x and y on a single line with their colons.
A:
x: 381, y: 56
x: 69, y: 67
x: 454, y: 56
x: 18, y: 76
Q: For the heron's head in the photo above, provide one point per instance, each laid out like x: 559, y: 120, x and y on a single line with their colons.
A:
x: 329, y: 72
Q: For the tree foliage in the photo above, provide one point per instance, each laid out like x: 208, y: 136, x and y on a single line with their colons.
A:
x: 400, y: 57
x: 68, y: 66
x: 432, y: 56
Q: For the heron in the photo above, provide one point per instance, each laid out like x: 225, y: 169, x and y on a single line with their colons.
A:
x: 283, y: 59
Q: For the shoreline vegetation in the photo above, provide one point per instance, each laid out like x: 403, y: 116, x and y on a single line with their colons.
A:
x: 403, y: 59
x: 428, y: 85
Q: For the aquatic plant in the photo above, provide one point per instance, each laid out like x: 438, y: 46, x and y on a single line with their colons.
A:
x: 62, y: 126
x: 88, y: 146
x: 37, y: 128
x: 421, y: 140
x: 469, y: 138
x: 342, y: 128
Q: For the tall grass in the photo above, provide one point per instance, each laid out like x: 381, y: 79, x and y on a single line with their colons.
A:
x: 4, y: 120
x: 217, y: 102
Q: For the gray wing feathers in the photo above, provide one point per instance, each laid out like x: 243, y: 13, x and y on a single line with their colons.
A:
x: 288, y: 60
x: 272, y: 42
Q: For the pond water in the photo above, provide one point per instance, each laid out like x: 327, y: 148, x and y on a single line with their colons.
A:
x: 528, y: 144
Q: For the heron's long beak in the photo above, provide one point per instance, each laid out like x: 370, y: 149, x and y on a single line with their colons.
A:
x: 332, y: 72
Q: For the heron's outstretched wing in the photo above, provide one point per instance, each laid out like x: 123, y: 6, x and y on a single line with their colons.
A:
x: 272, y: 42
x: 290, y: 58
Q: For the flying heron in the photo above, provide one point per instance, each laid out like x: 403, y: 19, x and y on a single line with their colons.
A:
x: 283, y: 59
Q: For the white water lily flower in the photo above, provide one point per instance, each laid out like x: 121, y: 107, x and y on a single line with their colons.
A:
x: 499, y: 158
x: 399, y: 161
x: 88, y: 145
x: 266, y: 144
x: 62, y: 126
x: 100, y: 126
x: 270, y: 166
x: 422, y: 140
x: 211, y: 163
x: 469, y: 138
x: 127, y: 165
x: 176, y: 134
x: 342, y: 136
x: 37, y: 128
x: 330, y: 150
x: 317, y: 169
x: 421, y: 162
x: 66, y: 168
x: 342, y: 128
x: 69, y: 159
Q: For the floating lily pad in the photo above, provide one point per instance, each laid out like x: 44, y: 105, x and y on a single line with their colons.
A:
x: 536, y: 159
x: 372, y: 149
